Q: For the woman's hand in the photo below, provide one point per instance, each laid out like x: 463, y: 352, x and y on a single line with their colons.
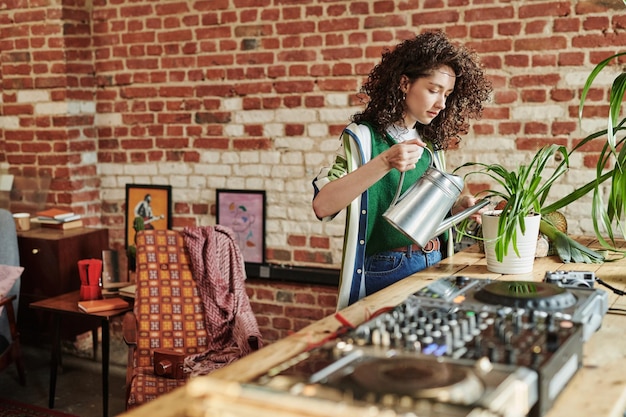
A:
x: 403, y: 156
x: 465, y: 202
x: 338, y: 194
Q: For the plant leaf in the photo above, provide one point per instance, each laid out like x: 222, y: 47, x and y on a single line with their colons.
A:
x: 567, y: 248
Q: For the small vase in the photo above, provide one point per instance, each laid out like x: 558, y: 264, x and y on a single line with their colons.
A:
x: 526, y: 245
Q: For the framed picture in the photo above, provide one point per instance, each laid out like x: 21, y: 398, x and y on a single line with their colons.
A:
x: 150, y: 204
x: 244, y: 212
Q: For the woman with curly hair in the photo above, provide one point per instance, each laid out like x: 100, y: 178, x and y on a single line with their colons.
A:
x: 421, y: 94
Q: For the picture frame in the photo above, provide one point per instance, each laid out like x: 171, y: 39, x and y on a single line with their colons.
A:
x: 153, y: 203
x: 244, y: 212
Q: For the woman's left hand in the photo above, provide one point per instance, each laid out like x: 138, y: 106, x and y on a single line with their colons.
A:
x: 465, y: 202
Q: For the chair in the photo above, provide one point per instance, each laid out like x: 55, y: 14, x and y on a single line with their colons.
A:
x: 168, y: 318
x: 9, y: 259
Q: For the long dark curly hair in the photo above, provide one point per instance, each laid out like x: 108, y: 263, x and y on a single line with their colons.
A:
x: 416, y: 58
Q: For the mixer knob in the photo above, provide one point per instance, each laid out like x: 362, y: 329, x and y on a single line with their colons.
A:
x: 388, y: 400
x: 398, y: 316
x: 376, y: 337
x: 517, y: 322
x: 412, y: 344
x: 428, y: 329
x: 428, y: 346
x: 505, y: 311
x: 473, y: 323
x: 500, y: 328
x: 385, y: 339
x: 492, y: 353
x: 457, y: 341
x: 485, y: 320
x: 396, y: 339
x: 536, y: 357
x: 406, y: 401
x: 465, y: 332
x: 478, y: 346
x: 421, y: 322
x: 552, y: 341
x: 508, y: 337
x: 363, y: 335
x: 510, y: 355
x: 449, y: 342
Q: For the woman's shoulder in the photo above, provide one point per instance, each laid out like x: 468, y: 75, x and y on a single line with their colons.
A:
x: 358, y: 136
x: 361, y: 131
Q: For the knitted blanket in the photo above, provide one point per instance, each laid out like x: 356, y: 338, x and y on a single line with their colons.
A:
x: 218, y: 268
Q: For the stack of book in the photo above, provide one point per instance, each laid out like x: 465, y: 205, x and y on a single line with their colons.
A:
x: 58, y: 219
x: 104, y: 304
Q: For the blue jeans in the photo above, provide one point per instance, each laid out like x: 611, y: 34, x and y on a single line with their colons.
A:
x: 385, y: 268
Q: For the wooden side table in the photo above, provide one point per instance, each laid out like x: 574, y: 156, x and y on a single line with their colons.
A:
x: 67, y: 305
x: 50, y: 260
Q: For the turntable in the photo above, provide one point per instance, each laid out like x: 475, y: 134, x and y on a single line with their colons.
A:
x: 538, y: 326
x: 418, y: 384
x: 580, y: 305
x: 460, y: 346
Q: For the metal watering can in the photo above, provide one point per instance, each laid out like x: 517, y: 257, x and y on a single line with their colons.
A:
x: 420, y: 212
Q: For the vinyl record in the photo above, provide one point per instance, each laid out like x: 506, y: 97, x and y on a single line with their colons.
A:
x: 526, y: 294
x: 425, y: 378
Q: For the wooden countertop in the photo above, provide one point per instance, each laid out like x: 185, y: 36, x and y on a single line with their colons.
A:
x: 597, y: 389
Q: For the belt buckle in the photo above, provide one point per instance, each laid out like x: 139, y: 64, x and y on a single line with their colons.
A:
x: 430, y: 246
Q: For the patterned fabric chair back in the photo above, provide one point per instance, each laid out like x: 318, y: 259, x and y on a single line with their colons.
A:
x: 168, y: 310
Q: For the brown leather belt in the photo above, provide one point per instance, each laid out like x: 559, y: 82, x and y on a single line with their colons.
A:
x: 432, y: 245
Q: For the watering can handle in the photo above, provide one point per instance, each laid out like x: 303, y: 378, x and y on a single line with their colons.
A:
x: 399, y: 190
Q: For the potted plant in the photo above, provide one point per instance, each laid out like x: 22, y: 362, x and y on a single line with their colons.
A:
x: 523, y: 191
x: 613, y: 155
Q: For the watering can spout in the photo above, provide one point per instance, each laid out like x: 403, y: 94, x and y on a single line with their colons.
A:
x: 459, y: 217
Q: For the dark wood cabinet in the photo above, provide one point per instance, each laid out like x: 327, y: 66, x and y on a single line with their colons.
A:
x: 50, y: 260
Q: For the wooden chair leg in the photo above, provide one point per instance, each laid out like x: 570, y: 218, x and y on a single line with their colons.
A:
x: 19, y: 361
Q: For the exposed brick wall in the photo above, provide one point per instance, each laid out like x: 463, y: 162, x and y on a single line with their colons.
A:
x: 282, y: 308
x: 252, y: 94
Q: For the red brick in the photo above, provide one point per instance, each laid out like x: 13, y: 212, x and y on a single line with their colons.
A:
x: 509, y: 128
x: 335, y: 25
x: 533, y: 144
x: 304, y: 313
x: 545, y: 9
x: 568, y: 24
x: 320, y: 242
x: 533, y: 96
x: 563, y: 128
x: 294, y: 130
x: 535, y: 128
x: 483, y: 129
x: 478, y: 14
x: 305, y: 298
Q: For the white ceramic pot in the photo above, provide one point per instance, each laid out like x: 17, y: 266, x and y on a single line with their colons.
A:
x: 526, y: 245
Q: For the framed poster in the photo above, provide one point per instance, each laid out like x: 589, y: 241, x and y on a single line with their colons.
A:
x: 244, y: 212
x: 147, y: 204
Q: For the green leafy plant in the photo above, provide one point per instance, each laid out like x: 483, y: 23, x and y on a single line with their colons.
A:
x: 611, y: 164
x: 613, y: 155
x: 524, y: 190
